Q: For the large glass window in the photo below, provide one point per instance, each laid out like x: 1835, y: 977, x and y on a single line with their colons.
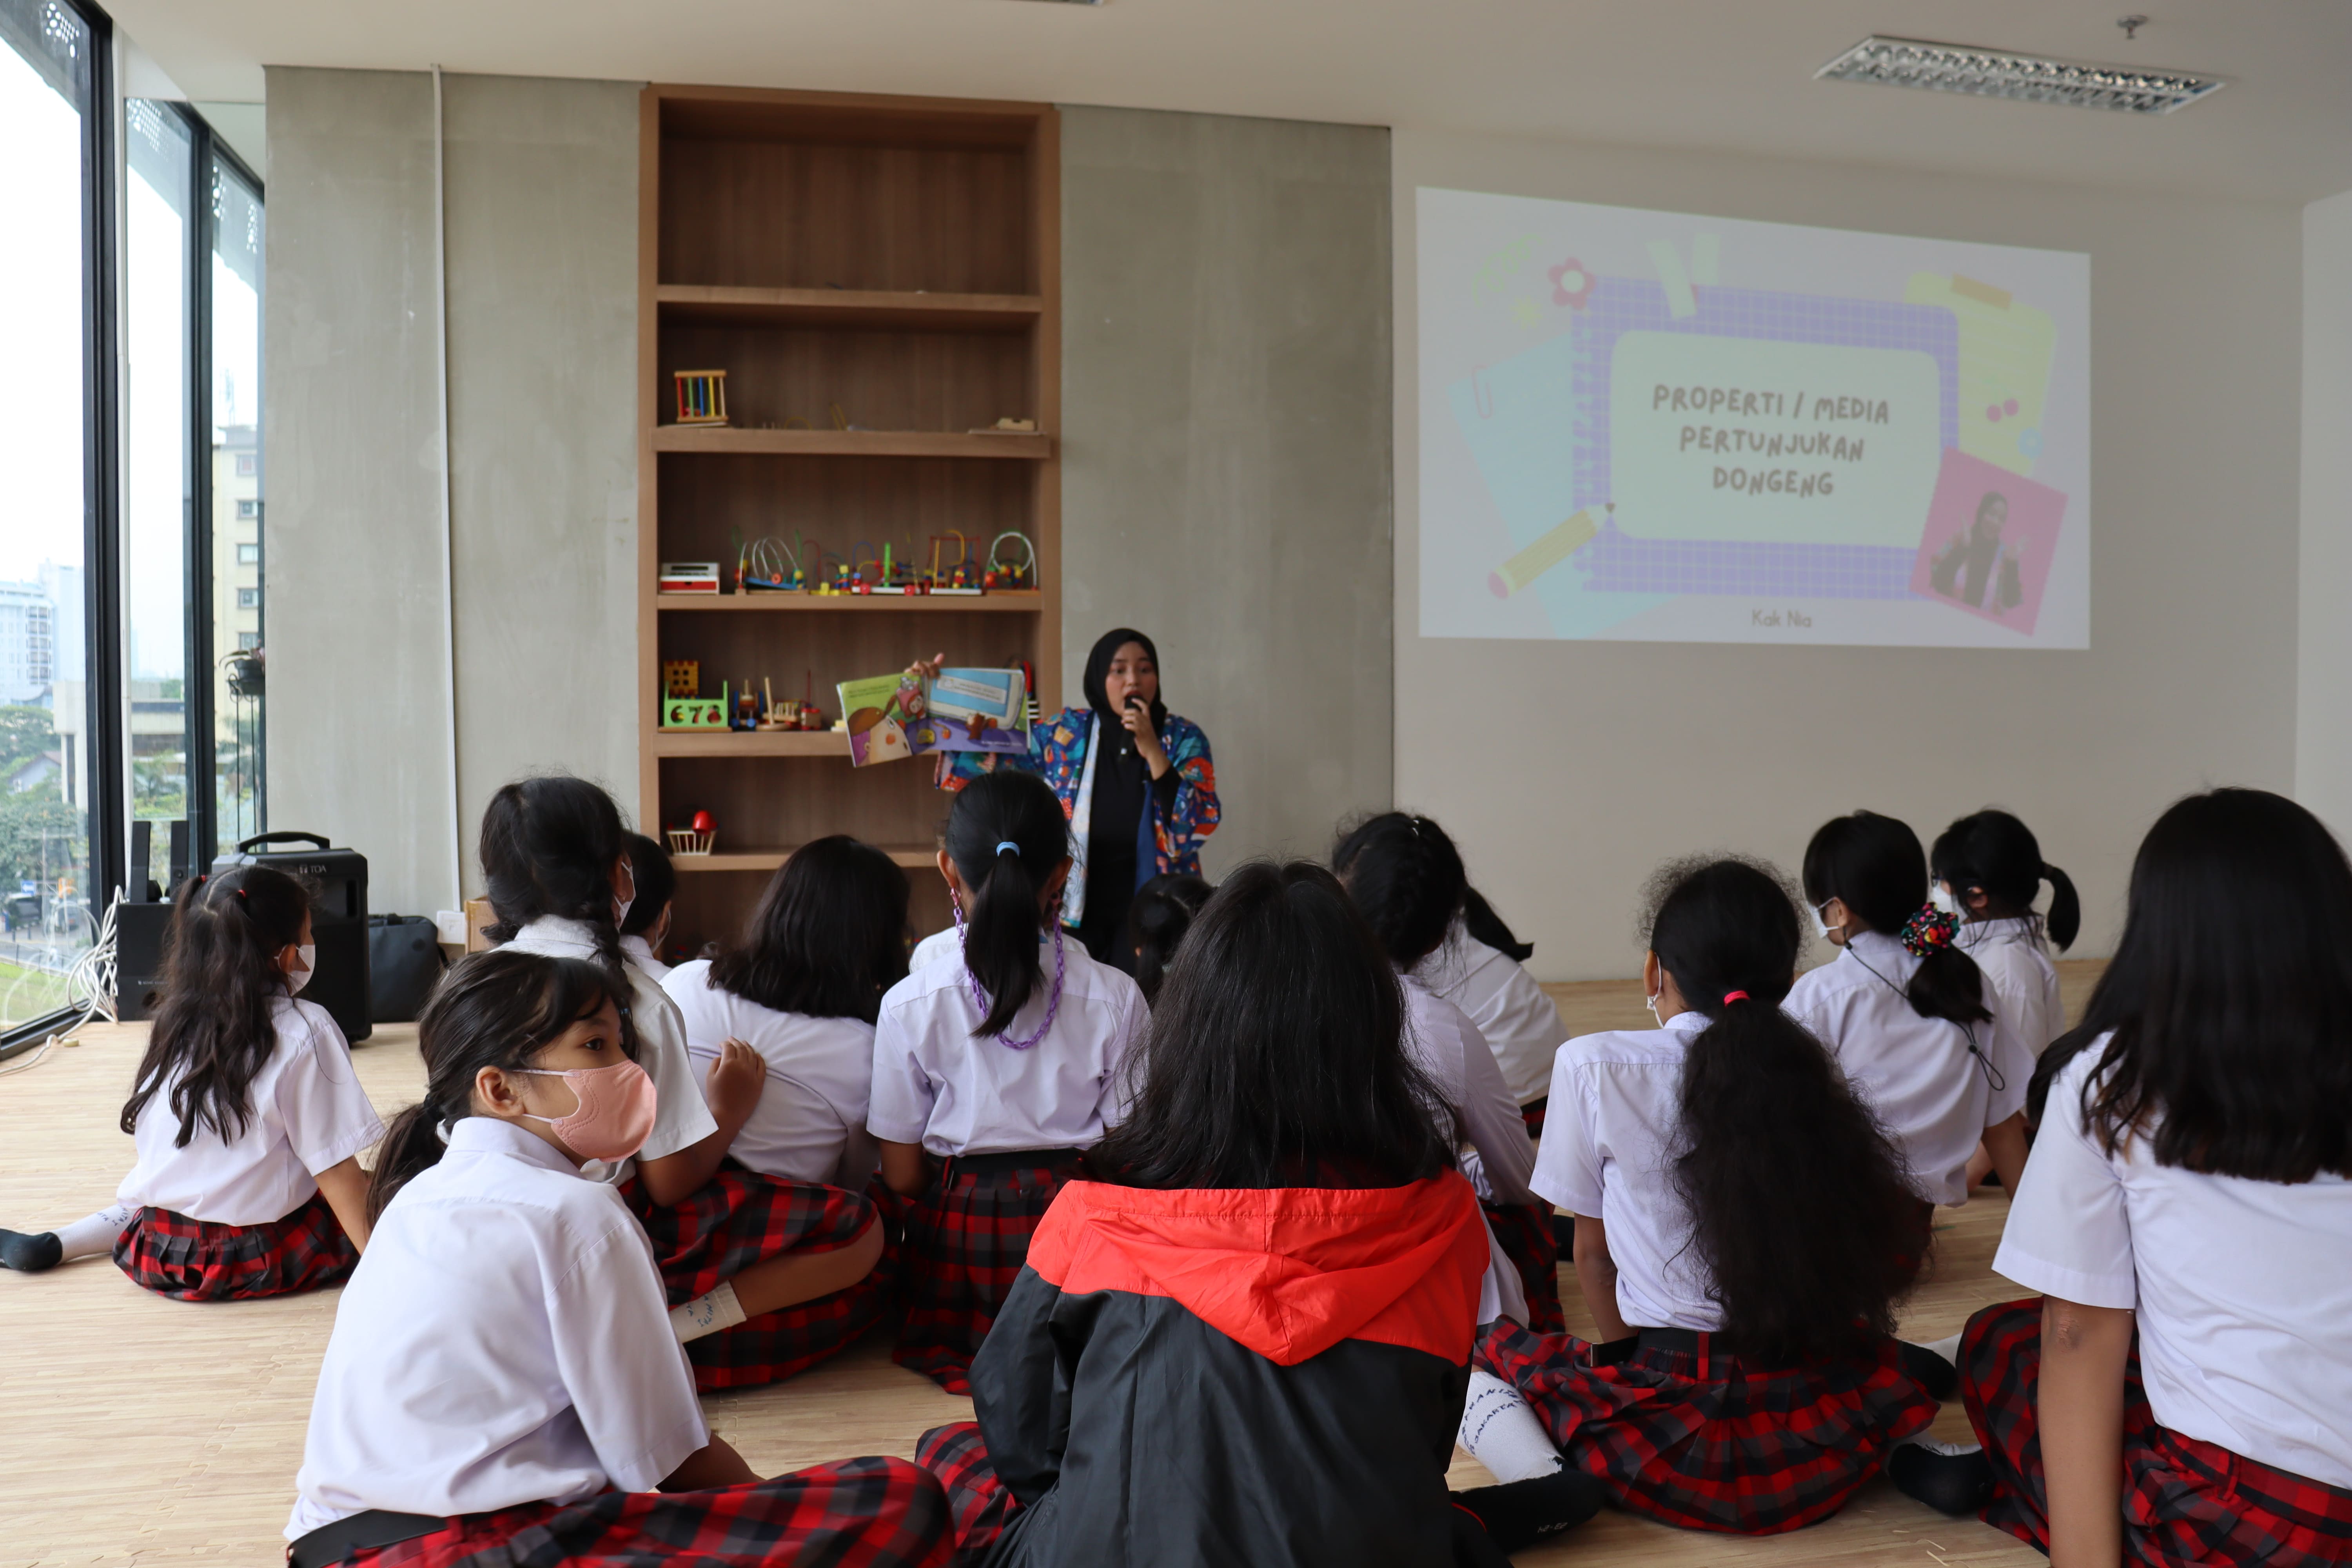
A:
x: 47, y: 93
x: 239, y: 803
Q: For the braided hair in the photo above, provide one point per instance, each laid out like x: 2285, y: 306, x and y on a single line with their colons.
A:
x: 1406, y: 877
x: 548, y: 847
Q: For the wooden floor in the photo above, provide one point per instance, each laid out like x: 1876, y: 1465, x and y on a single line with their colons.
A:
x: 137, y: 1429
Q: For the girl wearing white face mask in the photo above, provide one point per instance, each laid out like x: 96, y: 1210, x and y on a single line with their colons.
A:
x: 734, y: 1246
x: 249, y: 1117
x: 502, y: 1364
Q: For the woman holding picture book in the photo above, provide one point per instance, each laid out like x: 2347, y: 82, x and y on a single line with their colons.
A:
x: 1135, y: 781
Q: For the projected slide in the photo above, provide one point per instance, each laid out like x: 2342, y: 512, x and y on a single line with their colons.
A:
x: 1654, y: 426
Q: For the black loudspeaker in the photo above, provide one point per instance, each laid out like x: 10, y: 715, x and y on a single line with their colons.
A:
x: 139, y: 930
x: 339, y: 920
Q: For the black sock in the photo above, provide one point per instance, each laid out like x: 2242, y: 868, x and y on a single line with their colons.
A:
x: 30, y: 1253
x: 1956, y: 1483
x: 1517, y: 1514
x: 1931, y: 1371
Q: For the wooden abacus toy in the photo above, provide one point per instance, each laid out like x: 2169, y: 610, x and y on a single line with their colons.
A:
x: 702, y: 396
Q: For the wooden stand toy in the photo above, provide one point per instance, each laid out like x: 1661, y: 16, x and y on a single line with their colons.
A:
x: 695, y: 839
x: 1021, y: 574
x: 702, y: 396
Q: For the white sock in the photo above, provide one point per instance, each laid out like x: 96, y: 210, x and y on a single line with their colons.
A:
x: 1501, y: 1433
x: 1937, y: 1445
x: 1948, y: 1349
x: 89, y: 1237
x: 707, y: 1314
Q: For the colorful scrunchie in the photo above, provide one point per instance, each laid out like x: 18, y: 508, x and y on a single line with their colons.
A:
x: 1928, y: 930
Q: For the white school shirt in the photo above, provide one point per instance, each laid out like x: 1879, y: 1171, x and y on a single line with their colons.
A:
x: 640, y: 953
x: 810, y: 1123
x: 1448, y: 1047
x: 505, y: 1340
x: 937, y: 1084
x: 1916, y: 1074
x: 1610, y: 1134
x: 2020, y: 983
x: 931, y: 949
x: 2242, y: 1289
x: 309, y: 1115
x: 681, y: 1120
x: 1519, y: 1022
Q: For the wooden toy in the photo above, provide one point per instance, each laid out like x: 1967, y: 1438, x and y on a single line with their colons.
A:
x: 697, y: 838
x: 694, y: 713
x: 682, y: 678
x: 687, y: 577
x: 702, y: 396
x: 1019, y: 574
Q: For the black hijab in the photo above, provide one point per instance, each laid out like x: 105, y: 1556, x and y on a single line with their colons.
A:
x: 1107, y: 648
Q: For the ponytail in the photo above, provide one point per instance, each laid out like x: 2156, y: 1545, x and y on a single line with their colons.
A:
x: 1873, y: 865
x: 1993, y: 853
x: 1006, y: 834
x: 1406, y: 876
x: 1479, y: 919
x: 495, y: 1009
x: 1771, y: 1136
x: 548, y: 847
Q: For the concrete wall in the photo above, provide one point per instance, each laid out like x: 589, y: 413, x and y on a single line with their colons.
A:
x: 1226, y: 446
x: 2322, y: 752
x: 541, y: 179
x: 1647, y: 751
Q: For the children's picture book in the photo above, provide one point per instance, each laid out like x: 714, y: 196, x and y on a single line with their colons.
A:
x: 889, y: 716
x: 971, y: 711
x: 871, y: 711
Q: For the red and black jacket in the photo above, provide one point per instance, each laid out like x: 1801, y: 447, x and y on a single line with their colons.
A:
x: 1222, y: 1377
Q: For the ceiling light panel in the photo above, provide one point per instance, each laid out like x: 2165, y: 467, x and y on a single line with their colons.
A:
x: 2029, y: 79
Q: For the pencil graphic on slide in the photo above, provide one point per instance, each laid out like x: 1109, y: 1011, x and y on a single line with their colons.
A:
x: 1554, y: 546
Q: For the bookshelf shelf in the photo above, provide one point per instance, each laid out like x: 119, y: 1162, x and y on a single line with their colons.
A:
x: 724, y: 306
x: 914, y: 857
x: 1010, y: 603
x: 727, y: 440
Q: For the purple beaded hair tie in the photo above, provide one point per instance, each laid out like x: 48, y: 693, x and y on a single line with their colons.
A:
x: 980, y: 997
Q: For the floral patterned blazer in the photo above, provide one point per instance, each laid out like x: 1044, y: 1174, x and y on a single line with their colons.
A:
x: 1057, y: 752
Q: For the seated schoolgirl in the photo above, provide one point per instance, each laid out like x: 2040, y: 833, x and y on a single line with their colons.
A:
x: 2182, y: 1392
x: 989, y: 1078
x: 802, y: 987
x: 1903, y: 1007
x: 1156, y: 923
x: 1243, y: 1337
x: 1406, y: 877
x: 647, y: 925
x: 502, y: 1383
x: 1477, y: 970
x: 249, y: 1117
x: 1987, y: 870
x: 733, y: 1245
x: 1748, y: 1377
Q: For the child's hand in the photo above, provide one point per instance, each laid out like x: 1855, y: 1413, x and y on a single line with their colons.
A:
x: 736, y: 1077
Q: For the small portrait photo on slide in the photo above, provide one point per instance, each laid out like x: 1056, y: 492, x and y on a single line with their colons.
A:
x: 1990, y: 536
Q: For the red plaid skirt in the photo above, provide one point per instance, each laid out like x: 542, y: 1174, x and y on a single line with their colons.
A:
x: 967, y: 1238
x: 858, y: 1513
x: 1703, y: 1441
x: 739, y: 1218
x: 1524, y: 1234
x: 2185, y: 1500
x: 981, y: 1503
x: 194, y: 1260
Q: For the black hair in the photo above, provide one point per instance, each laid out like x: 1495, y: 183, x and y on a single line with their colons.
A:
x: 1995, y: 854
x: 1873, y: 865
x: 213, y: 1028
x: 1157, y: 921
x: 495, y: 1009
x: 1407, y: 877
x: 548, y: 846
x: 1018, y: 811
x: 1107, y: 648
x: 1773, y: 1137
x: 2229, y: 996
x: 656, y: 881
x: 827, y: 937
x: 1276, y: 1056
x: 1479, y: 919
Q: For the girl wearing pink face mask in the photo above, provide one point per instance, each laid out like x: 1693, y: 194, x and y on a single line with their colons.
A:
x: 735, y: 1247
x: 502, y: 1362
x: 249, y: 1117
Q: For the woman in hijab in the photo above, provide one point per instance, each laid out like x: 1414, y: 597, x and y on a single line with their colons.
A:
x: 1135, y: 780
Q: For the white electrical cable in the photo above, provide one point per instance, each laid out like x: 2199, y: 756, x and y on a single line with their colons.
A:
x: 89, y: 986
x: 448, y: 545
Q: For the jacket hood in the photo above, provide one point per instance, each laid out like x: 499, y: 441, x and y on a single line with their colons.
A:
x: 1287, y: 1271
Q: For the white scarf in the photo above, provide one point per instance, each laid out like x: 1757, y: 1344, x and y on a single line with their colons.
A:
x: 1082, y: 816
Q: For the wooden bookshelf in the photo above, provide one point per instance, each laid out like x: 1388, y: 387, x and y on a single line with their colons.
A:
x: 890, y: 265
